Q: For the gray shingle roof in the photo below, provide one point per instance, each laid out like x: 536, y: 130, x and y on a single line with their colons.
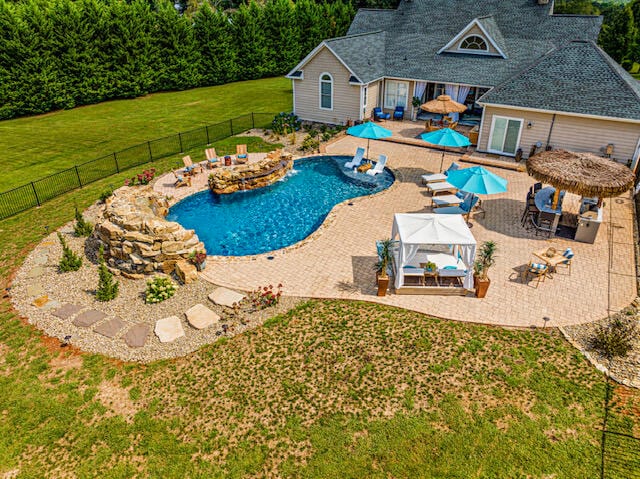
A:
x: 578, y: 78
x: 404, y: 42
x: 492, y: 28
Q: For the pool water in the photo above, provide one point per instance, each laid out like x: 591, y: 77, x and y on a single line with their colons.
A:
x: 279, y: 215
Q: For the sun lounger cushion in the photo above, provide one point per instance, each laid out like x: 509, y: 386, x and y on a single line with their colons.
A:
x: 538, y: 267
x: 242, y: 156
x: 568, y: 253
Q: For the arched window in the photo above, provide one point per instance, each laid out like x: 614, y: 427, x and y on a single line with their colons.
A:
x: 326, y: 91
x: 474, y: 42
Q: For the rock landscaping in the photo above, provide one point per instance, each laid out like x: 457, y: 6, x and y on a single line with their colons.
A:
x: 136, y: 237
x: 64, y: 305
x: 251, y: 176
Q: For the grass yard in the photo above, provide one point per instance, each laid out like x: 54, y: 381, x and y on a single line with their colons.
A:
x: 38, y: 146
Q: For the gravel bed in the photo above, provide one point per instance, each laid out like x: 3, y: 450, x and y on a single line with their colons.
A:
x: 625, y: 370
x: 78, y: 287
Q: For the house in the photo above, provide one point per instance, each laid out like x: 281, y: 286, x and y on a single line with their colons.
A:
x: 529, y: 78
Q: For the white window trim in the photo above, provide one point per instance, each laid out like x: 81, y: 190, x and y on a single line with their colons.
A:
x: 320, y: 82
x: 468, y: 50
x: 406, y: 96
x: 493, y: 122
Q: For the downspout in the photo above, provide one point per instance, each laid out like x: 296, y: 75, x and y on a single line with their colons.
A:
x: 553, y: 121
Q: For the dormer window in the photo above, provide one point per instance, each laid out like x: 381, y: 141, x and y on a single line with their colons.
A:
x: 474, y: 43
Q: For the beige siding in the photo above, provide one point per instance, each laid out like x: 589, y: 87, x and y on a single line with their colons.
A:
x: 569, y: 132
x: 474, y: 30
x: 346, y: 97
x: 373, y: 95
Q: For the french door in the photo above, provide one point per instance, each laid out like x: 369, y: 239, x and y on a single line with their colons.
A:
x: 505, y: 135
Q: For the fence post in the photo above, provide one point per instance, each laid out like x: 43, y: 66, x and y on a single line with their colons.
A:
x: 180, y: 140
x: 231, y: 126
x: 206, y: 128
x: 78, y: 176
x: 150, y: 154
x: 35, y: 193
x: 253, y: 121
x: 115, y: 159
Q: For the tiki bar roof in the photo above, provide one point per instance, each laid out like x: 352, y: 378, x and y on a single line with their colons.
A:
x: 584, y: 174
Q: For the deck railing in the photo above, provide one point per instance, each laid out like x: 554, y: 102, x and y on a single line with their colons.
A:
x: 37, y: 192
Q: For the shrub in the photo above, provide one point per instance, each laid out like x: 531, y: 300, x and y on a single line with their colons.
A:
x: 69, y: 261
x: 107, y: 287
x: 285, y: 123
x: 616, y: 338
x: 106, y: 194
x: 159, y: 289
x: 309, y: 143
x: 143, y: 178
x: 265, y: 297
x: 82, y: 227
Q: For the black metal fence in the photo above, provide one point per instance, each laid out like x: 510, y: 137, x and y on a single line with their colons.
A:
x: 39, y: 191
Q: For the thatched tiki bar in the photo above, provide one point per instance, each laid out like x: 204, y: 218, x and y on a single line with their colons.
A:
x: 584, y: 174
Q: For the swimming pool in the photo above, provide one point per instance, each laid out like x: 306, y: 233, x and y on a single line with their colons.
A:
x: 270, y: 218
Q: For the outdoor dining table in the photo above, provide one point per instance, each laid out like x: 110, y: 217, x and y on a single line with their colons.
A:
x: 552, y: 261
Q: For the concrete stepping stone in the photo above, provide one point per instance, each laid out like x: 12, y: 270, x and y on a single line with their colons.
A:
x: 201, y: 317
x: 67, y: 311
x: 110, y: 328
x: 169, y: 329
x: 35, y: 272
x: 225, y: 297
x: 41, y: 259
x: 51, y: 304
x: 89, y: 318
x: 35, y: 290
x: 137, y: 335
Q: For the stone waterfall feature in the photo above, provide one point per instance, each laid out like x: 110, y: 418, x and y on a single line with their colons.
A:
x: 251, y: 176
x: 136, y: 237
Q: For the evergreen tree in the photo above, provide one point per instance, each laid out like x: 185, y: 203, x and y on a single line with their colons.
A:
x: 69, y: 261
x: 250, y: 41
x: 82, y: 227
x: 214, y: 37
x: 282, y: 36
x: 619, y: 33
x: 313, y: 25
x: 107, y: 287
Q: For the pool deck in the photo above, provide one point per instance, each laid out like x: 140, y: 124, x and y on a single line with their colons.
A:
x: 337, y: 260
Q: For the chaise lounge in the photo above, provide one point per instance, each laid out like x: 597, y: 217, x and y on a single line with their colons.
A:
x: 379, y: 168
x: 357, y: 159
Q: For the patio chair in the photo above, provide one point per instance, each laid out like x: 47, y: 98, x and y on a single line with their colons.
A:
x: 212, y: 158
x: 437, y: 177
x: 357, y: 159
x: 379, y: 168
x: 398, y: 113
x: 241, y: 154
x: 465, y: 207
x: 181, y: 180
x: 568, y: 253
x: 378, y: 114
x: 189, y: 167
x: 537, y: 270
x: 441, y: 187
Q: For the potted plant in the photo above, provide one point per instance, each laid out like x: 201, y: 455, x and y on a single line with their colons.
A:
x: 416, y: 101
x: 484, y: 260
x: 199, y: 258
x: 384, y: 258
x: 430, y: 267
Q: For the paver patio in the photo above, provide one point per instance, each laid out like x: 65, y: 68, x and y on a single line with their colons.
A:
x: 337, y: 262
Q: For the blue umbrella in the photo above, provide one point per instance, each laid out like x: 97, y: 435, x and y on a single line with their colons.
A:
x: 477, y: 180
x: 370, y: 131
x: 446, y: 137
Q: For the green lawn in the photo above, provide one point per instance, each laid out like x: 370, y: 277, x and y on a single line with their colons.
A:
x: 333, y: 389
x: 38, y: 146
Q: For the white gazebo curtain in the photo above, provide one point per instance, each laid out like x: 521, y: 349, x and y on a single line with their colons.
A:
x: 457, y: 93
x: 418, y: 90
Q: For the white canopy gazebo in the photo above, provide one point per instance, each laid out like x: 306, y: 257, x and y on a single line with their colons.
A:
x: 455, y: 245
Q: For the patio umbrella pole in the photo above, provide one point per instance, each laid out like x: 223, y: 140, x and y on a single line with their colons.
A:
x: 442, y: 159
x: 556, y: 197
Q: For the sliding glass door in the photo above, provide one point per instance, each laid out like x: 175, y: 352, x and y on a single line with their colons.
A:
x: 505, y: 135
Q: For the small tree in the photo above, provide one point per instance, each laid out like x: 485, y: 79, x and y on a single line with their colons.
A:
x: 616, y: 338
x: 107, y: 287
x: 82, y: 227
x: 486, y: 259
x: 69, y: 261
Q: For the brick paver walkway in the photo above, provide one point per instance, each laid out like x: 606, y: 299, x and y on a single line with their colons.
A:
x: 338, y: 261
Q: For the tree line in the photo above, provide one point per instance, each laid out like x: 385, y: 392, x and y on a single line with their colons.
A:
x: 62, y: 54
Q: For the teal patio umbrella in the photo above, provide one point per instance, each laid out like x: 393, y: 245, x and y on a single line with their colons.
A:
x: 370, y: 131
x: 446, y: 137
x: 478, y: 180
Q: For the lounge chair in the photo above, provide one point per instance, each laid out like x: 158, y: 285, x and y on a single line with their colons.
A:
x: 378, y: 114
x: 464, y: 209
x: 537, y: 270
x: 568, y: 253
x: 241, y: 154
x: 189, y: 167
x: 453, y: 273
x: 437, y: 177
x: 398, y: 113
x: 357, y: 159
x: 181, y: 180
x: 441, y: 187
x: 212, y: 158
x: 379, y: 168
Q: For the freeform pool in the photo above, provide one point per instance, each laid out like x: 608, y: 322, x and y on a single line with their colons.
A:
x: 270, y: 218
